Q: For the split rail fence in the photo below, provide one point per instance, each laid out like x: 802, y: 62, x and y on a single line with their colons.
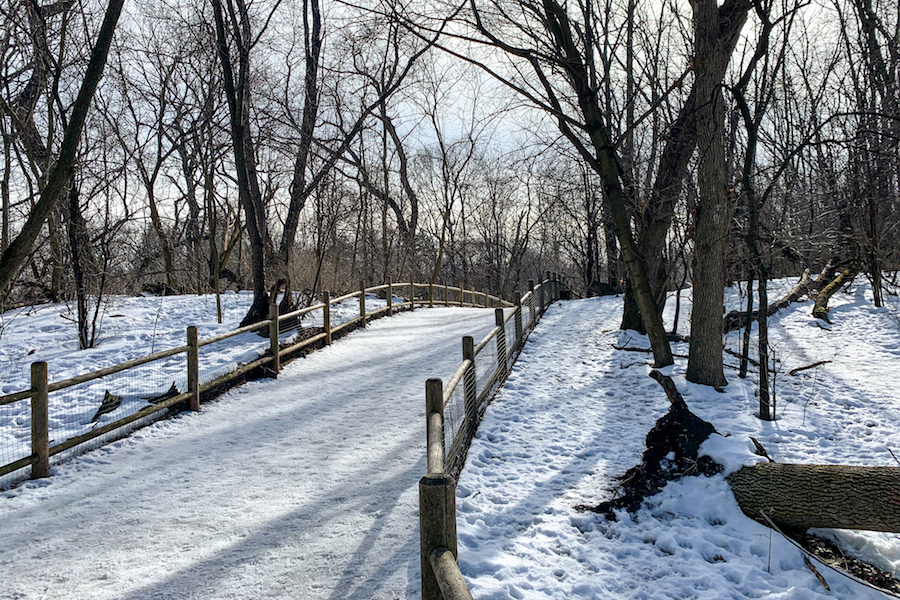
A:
x: 49, y: 420
x: 452, y: 415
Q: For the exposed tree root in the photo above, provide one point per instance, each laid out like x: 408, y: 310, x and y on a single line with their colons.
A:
x: 680, y: 432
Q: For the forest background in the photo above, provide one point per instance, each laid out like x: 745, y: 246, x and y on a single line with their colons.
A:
x: 632, y: 146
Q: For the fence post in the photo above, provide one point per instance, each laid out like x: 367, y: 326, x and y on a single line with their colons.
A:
x: 412, y: 295
x: 434, y: 425
x: 437, y: 526
x: 390, y: 297
x: 501, y: 339
x: 469, y: 385
x: 362, y: 302
x: 40, y: 420
x: 461, y: 294
x: 430, y: 295
x: 273, y: 338
x: 446, y: 294
x: 517, y: 297
x: 531, y: 310
x: 543, y: 295
x: 326, y: 317
x: 193, y: 368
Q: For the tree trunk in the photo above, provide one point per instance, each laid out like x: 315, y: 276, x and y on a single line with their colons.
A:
x: 237, y: 93
x: 606, y: 163
x: 705, y: 364
x: 673, y: 163
x: 298, y: 190
x: 82, y: 262
x: 58, y: 178
x: 827, y: 496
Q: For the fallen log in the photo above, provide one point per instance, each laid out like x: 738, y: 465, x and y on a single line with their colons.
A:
x: 807, y: 286
x: 737, y: 319
x: 826, y: 496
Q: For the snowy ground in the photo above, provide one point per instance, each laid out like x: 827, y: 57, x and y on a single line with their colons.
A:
x: 305, y: 487
x: 129, y: 328
x: 573, y: 415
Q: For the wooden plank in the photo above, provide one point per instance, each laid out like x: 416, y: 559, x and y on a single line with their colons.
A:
x: 347, y: 296
x: 244, y: 329
x: 18, y: 464
x: 345, y: 324
x: 434, y: 409
x: 297, y: 313
x: 236, y: 373
x: 451, y: 385
x: 16, y: 397
x: 40, y: 421
x: 437, y: 526
x: 301, y: 344
x: 59, y: 385
x: 487, y: 339
x: 449, y: 578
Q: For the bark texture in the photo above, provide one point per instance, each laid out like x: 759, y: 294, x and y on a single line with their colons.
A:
x: 820, y: 310
x: 707, y: 325
x: 827, y: 496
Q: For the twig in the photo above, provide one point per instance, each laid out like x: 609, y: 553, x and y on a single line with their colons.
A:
x: 647, y: 350
x: 737, y: 354
x: 815, y: 364
x: 823, y: 563
x: 894, y: 455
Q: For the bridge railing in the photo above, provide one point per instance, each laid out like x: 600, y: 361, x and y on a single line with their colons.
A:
x: 453, y: 413
x: 50, y: 419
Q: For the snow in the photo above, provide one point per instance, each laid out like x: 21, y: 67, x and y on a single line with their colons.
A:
x: 305, y: 486
x: 573, y: 416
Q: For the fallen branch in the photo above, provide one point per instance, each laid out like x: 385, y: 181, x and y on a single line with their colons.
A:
x: 737, y: 354
x: 645, y: 350
x: 820, y: 310
x: 812, y: 366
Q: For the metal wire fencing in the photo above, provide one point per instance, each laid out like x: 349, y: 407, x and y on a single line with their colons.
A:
x: 484, y: 368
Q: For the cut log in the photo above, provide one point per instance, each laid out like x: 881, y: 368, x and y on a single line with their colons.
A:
x: 820, y: 310
x: 826, y: 496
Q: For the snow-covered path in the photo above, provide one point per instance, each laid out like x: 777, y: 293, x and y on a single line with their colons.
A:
x: 304, y: 487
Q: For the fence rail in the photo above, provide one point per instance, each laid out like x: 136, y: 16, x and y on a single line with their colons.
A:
x: 455, y: 416
x: 135, y: 392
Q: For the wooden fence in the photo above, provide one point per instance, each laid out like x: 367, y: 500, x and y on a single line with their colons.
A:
x: 441, y: 577
x: 41, y: 450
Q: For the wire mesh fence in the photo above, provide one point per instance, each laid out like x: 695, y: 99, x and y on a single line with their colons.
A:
x: 15, y: 436
x: 224, y: 356
x: 510, y: 329
x: 77, y: 412
x: 454, y: 415
x: 492, y: 363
